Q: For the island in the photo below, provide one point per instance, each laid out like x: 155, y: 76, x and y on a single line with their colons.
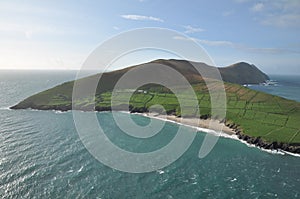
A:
x: 261, y: 119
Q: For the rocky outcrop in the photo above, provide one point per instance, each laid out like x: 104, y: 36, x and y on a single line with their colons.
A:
x: 259, y: 142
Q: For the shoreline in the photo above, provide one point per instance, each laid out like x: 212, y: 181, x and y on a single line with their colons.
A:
x: 194, y: 123
x: 228, y: 130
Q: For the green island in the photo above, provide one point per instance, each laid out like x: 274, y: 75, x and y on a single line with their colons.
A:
x: 268, y: 121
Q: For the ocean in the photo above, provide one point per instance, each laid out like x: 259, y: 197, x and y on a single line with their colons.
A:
x: 42, y: 155
x: 287, y: 86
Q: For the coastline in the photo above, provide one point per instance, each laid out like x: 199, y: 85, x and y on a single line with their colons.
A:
x: 195, y: 122
x: 229, y: 130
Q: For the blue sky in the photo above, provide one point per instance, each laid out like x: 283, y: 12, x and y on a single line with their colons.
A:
x: 61, y: 34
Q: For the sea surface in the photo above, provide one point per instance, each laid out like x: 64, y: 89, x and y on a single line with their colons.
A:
x: 287, y: 86
x: 41, y: 155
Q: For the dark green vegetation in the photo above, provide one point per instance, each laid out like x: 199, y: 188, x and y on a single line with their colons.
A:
x: 257, y: 114
x: 271, y: 119
x: 243, y: 73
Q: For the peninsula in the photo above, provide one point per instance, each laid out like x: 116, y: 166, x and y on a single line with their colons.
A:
x: 268, y: 121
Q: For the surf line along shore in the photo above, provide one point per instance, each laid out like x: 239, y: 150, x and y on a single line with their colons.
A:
x: 193, y: 122
x: 232, y: 131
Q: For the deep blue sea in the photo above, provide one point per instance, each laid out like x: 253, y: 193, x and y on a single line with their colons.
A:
x: 42, y: 156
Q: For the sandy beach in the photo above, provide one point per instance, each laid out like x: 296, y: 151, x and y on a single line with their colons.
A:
x: 195, y: 122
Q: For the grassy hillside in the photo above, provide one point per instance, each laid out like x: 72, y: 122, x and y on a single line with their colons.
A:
x: 243, y: 73
x: 257, y: 114
x: 252, y: 112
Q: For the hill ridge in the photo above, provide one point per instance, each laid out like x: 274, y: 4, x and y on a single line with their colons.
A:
x: 262, y: 119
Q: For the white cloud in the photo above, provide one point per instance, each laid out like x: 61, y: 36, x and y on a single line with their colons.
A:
x: 241, y: 1
x: 279, y: 13
x: 268, y: 50
x: 227, y: 13
x: 116, y: 28
x: 185, y: 38
x: 206, y: 42
x: 283, y: 20
x: 191, y: 29
x: 258, y: 7
x: 141, y: 18
x: 237, y: 46
x: 216, y: 43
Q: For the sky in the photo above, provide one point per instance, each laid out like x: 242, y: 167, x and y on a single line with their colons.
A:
x: 61, y: 34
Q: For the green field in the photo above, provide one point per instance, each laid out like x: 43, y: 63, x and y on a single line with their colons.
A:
x: 257, y: 114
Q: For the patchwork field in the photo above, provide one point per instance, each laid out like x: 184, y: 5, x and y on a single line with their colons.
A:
x: 257, y: 114
x: 253, y: 113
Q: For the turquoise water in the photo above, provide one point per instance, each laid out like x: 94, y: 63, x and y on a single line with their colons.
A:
x: 43, y: 157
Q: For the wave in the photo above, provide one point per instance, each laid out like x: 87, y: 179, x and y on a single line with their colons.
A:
x: 60, y: 112
x: 5, y: 108
x: 80, y: 169
x: 222, y: 134
x: 200, y: 129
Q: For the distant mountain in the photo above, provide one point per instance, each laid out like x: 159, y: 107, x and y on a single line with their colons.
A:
x: 239, y: 73
x: 243, y: 73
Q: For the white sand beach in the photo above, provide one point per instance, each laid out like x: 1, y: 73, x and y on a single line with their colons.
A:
x: 195, y: 122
